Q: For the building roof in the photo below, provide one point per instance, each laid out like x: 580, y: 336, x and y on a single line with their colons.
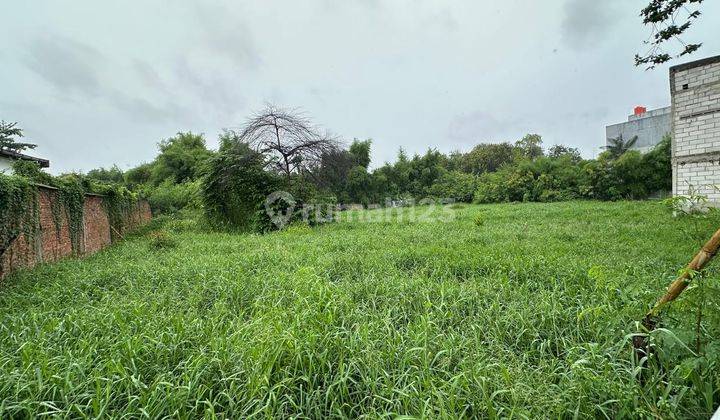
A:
x: 44, y: 163
x: 696, y: 63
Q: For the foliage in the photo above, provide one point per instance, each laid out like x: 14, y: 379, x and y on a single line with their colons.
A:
x: 632, y: 175
x: 525, y: 317
x: 119, y: 203
x: 169, y: 197
x: 529, y: 147
x: 32, y: 171
x: 487, y: 158
x: 72, y: 198
x: 332, y: 175
x: 18, y: 211
x: 313, y: 166
x: 659, y: 168
x: 235, y: 188
x: 479, y: 220
x: 617, y: 146
x: 454, y: 185
x: 160, y: 239
x: 181, y: 158
x: 559, y: 151
x: 67, y: 205
x: 691, y: 205
x: 112, y: 175
x: 359, y: 185
x: 663, y: 16
x: 519, y: 172
x: 360, y: 151
x: 544, y: 179
x: 69, y: 202
x: 138, y: 175
x: 423, y: 171
x: 9, y: 132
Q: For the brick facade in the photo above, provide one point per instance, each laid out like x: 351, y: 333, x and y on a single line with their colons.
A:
x: 695, y: 90
x: 52, y: 242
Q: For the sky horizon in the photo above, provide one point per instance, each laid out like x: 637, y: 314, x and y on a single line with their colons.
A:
x: 101, y: 84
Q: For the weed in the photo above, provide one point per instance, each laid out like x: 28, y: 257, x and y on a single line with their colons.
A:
x: 479, y: 220
x: 366, y: 319
x: 160, y: 239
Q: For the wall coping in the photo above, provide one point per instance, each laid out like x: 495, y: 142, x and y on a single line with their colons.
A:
x: 696, y: 63
x: 50, y: 187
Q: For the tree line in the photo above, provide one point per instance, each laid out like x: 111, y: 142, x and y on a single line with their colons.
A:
x: 280, y: 150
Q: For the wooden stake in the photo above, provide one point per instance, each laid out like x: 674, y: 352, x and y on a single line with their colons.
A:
x: 701, y: 259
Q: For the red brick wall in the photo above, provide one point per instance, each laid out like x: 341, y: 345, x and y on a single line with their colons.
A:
x: 55, y: 241
x: 52, y: 242
x: 96, y: 225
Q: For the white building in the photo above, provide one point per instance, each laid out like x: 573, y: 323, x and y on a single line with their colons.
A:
x: 8, y: 157
x: 649, y: 126
x: 695, y: 91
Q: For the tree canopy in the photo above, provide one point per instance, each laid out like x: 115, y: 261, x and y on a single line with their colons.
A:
x: 9, y: 133
x: 181, y: 158
x: 617, y: 146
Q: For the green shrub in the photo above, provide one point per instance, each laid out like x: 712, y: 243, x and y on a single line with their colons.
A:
x: 545, y: 179
x: 658, y: 176
x: 160, y: 239
x: 454, y: 185
x: 491, y: 188
x: 297, y: 228
x: 169, y: 198
x: 19, y: 211
x: 31, y: 170
x: 235, y: 188
x: 182, y: 224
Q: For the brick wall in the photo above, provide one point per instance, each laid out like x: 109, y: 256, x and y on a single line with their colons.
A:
x: 52, y: 242
x: 96, y: 225
x: 702, y: 177
x: 695, y: 90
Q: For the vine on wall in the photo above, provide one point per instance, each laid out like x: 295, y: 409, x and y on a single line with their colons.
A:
x: 19, y: 212
x: 119, y: 204
x: 72, y: 196
x: 68, y: 203
x: 19, y: 205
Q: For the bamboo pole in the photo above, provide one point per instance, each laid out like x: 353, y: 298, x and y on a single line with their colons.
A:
x: 701, y: 259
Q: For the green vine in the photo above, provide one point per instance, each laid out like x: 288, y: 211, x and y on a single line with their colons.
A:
x: 72, y: 196
x: 58, y: 212
x: 19, y: 205
x: 119, y: 205
x: 19, y: 212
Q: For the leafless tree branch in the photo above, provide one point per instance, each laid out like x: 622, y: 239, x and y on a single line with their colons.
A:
x: 291, y: 142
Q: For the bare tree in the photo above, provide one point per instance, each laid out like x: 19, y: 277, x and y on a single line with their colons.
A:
x: 289, y: 140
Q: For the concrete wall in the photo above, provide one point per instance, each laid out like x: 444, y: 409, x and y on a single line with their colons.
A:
x: 695, y: 90
x: 649, y: 127
x: 53, y: 240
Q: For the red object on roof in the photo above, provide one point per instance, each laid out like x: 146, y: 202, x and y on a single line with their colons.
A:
x: 639, y: 110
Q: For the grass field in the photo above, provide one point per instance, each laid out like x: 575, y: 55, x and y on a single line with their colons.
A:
x: 517, y: 310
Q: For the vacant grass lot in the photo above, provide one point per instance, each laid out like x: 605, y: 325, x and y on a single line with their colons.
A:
x: 517, y: 310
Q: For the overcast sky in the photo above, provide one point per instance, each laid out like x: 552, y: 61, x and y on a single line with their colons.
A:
x: 96, y: 83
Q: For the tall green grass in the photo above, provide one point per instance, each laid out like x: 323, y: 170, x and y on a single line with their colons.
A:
x: 527, y: 314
